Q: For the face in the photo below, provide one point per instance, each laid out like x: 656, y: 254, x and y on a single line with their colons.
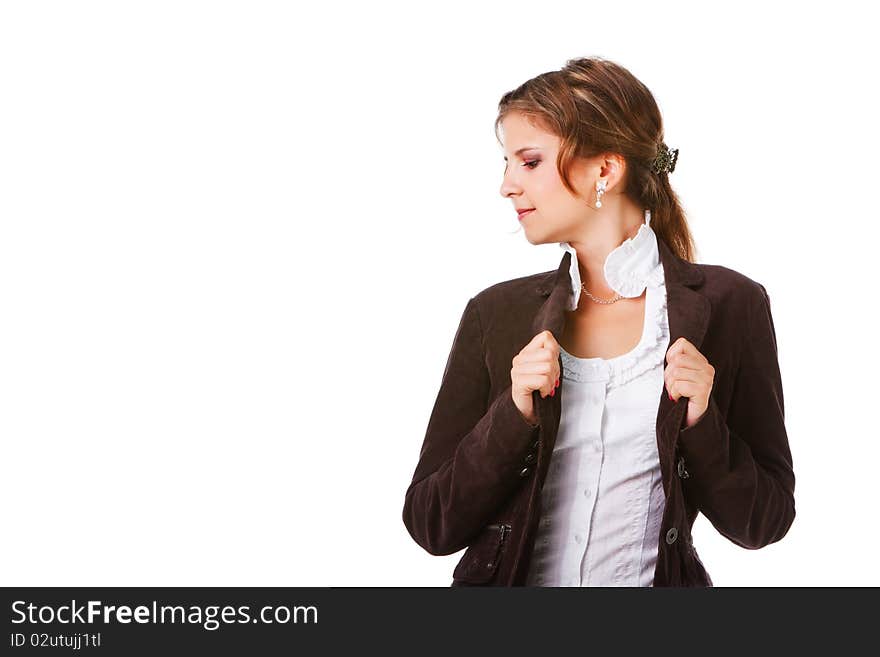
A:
x: 532, y: 181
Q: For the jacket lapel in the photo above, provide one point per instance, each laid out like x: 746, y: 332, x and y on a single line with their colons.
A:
x: 688, y: 311
x: 557, y: 286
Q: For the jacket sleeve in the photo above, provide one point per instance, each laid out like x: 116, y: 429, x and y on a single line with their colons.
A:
x: 740, y: 467
x: 473, y: 451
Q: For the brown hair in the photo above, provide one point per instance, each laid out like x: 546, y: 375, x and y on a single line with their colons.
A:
x: 594, y: 106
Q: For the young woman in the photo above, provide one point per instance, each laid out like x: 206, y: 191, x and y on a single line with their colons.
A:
x: 587, y: 414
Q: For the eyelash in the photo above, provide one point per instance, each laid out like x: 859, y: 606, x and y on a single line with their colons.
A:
x: 528, y: 164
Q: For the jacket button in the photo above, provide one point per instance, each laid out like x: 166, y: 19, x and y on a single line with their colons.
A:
x: 524, y: 472
x: 530, y: 458
x: 681, y: 471
x: 671, y: 535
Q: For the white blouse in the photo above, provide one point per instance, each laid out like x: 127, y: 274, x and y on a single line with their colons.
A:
x: 602, y: 501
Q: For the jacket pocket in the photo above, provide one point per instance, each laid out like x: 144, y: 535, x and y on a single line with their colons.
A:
x: 480, y: 561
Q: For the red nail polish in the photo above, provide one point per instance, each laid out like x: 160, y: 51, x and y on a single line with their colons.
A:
x: 553, y: 392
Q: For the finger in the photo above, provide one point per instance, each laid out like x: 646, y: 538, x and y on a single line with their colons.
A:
x: 539, y: 382
x: 672, y: 378
x: 676, y: 372
x: 536, y: 367
x: 536, y: 356
x: 540, y: 352
x: 532, y: 355
x: 546, y: 340
x: 678, y: 347
x: 553, y: 347
x: 540, y: 338
x: 687, y: 389
x: 535, y: 376
x: 693, y: 360
x: 689, y: 358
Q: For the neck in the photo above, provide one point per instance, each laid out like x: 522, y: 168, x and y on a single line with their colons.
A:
x: 599, y: 237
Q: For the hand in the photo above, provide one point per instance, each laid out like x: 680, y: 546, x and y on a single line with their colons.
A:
x: 689, y: 374
x: 536, y: 367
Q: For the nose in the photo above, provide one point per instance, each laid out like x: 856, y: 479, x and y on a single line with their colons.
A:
x: 509, y: 186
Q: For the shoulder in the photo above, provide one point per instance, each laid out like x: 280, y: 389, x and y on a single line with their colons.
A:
x: 725, y: 283
x: 523, y: 287
x: 734, y: 296
x: 507, y: 302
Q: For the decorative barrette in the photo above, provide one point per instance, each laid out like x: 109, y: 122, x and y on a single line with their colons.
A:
x: 665, y: 160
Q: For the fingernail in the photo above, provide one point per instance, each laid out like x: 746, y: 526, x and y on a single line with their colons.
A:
x: 670, y: 397
x: 557, y: 383
x: 553, y: 392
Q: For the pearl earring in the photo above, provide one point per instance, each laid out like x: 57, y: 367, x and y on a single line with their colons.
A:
x: 600, y: 189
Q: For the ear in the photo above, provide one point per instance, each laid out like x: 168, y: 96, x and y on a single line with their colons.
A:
x: 613, y: 169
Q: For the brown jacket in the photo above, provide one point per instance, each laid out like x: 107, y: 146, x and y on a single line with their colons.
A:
x: 482, y: 466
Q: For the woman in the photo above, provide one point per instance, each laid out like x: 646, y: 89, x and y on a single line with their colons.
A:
x: 587, y: 414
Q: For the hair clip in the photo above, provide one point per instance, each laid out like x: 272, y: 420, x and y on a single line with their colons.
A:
x: 665, y: 159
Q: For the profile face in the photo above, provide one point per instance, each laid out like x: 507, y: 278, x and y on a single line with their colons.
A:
x: 532, y: 181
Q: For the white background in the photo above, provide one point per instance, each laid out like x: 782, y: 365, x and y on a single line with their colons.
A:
x: 237, y: 238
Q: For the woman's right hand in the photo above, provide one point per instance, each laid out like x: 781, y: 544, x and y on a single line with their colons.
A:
x: 536, y: 367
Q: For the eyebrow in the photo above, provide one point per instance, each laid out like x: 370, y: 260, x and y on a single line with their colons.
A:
x: 524, y: 148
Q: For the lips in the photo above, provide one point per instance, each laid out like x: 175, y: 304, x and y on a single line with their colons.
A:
x: 524, y: 212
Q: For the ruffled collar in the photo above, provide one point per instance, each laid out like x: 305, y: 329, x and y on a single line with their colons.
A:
x: 628, y: 269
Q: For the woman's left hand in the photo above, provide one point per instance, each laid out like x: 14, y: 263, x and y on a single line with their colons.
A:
x: 689, y: 374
